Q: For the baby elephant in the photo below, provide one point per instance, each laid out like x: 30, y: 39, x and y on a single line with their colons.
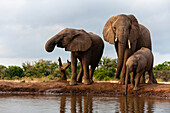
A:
x: 140, y: 62
x: 87, y: 47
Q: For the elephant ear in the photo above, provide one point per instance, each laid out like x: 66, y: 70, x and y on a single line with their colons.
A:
x: 134, y: 30
x: 108, y: 30
x: 81, y: 41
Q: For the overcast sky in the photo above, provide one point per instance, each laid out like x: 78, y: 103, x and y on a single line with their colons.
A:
x: 26, y: 25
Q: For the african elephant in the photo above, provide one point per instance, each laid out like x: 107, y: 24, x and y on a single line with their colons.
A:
x: 140, y: 62
x: 87, y: 47
x: 128, y: 36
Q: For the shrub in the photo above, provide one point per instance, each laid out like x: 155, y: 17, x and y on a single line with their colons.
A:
x: 106, y: 69
x: 13, y: 71
x: 164, y: 66
x: 164, y: 75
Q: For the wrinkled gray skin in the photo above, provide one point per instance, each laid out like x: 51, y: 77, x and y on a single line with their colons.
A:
x: 87, y: 47
x: 128, y: 36
x: 140, y: 62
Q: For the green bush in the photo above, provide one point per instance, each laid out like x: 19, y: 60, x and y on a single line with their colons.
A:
x: 106, y: 69
x: 2, y: 71
x: 162, y: 71
x: 164, y: 66
x: 40, y: 69
x: 44, y: 68
x: 13, y: 71
x: 50, y: 77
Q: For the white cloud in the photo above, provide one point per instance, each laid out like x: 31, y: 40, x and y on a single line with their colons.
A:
x: 26, y: 25
x: 9, y: 9
x: 160, y: 58
x: 25, y: 41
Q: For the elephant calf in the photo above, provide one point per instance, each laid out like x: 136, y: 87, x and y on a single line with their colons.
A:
x: 87, y: 47
x: 140, y: 62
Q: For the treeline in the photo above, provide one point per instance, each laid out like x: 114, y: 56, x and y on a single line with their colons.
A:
x: 162, y: 71
x: 35, y: 70
x: 44, y: 68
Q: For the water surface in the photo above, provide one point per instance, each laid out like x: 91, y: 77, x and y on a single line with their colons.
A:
x: 81, y: 104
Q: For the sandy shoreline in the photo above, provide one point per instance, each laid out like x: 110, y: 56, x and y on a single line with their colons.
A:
x: 98, y: 88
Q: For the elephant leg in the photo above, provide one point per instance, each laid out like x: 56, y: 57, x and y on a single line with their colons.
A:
x: 151, y: 77
x: 137, y: 82
x: 123, y: 71
x: 132, y: 79
x: 86, y: 72
x: 73, y: 69
x: 154, y: 79
x: 80, y: 75
x: 142, y: 79
x: 122, y: 78
x: 91, y: 73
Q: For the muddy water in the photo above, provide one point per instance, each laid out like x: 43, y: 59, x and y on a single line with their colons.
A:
x: 81, y: 104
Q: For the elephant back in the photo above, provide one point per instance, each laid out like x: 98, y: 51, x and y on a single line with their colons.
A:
x: 144, y: 39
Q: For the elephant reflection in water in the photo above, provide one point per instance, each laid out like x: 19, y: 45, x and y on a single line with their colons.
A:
x: 84, y: 104
x: 77, y: 101
x: 62, y: 104
x: 135, y: 105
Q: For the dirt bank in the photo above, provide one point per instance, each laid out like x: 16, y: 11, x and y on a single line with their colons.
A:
x: 101, y: 88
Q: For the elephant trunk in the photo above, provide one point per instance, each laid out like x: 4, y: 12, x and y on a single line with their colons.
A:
x: 126, y: 81
x: 50, y: 44
x: 121, y: 52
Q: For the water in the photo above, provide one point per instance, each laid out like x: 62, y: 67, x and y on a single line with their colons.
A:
x: 81, y: 104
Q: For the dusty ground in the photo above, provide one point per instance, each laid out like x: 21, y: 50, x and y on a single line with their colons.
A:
x: 101, y: 88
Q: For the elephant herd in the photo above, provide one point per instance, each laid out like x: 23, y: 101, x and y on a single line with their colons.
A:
x: 130, y: 38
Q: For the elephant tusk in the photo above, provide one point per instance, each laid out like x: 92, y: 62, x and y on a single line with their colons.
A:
x: 116, y: 39
x: 129, y: 44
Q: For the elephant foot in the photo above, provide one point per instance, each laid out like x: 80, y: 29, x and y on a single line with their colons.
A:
x: 73, y: 82
x: 142, y: 81
x: 136, y: 88
x: 154, y: 81
x: 121, y: 82
x: 87, y: 82
x: 150, y: 82
x: 92, y: 81
x: 132, y: 86
x: 79, y: 81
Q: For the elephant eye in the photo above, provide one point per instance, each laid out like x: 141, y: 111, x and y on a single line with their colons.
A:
x: 114, y: 28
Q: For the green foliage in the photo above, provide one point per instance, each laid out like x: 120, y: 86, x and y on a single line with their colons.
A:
x: 163, y: 66
x: 44, y: 68
x: 40, y: 68
x: 106, y: 69
x: 50, y: 77
x: 162, y: 71
x: 164, y: 75
x: 13, y: 71
x: 2, y: 71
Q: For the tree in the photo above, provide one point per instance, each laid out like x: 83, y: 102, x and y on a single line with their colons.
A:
x: 40, y: 68
x: 162, y: 71
x: 106, y: 69
x: 14, y: 71
x: 2, y: 71
x: 164, y: 66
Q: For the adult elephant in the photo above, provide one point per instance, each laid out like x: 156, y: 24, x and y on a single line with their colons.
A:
x: 128, y: 36
x: 87, y: 47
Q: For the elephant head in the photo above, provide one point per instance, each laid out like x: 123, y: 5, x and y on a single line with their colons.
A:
x: 70, y: 39
x: 122, y: 31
